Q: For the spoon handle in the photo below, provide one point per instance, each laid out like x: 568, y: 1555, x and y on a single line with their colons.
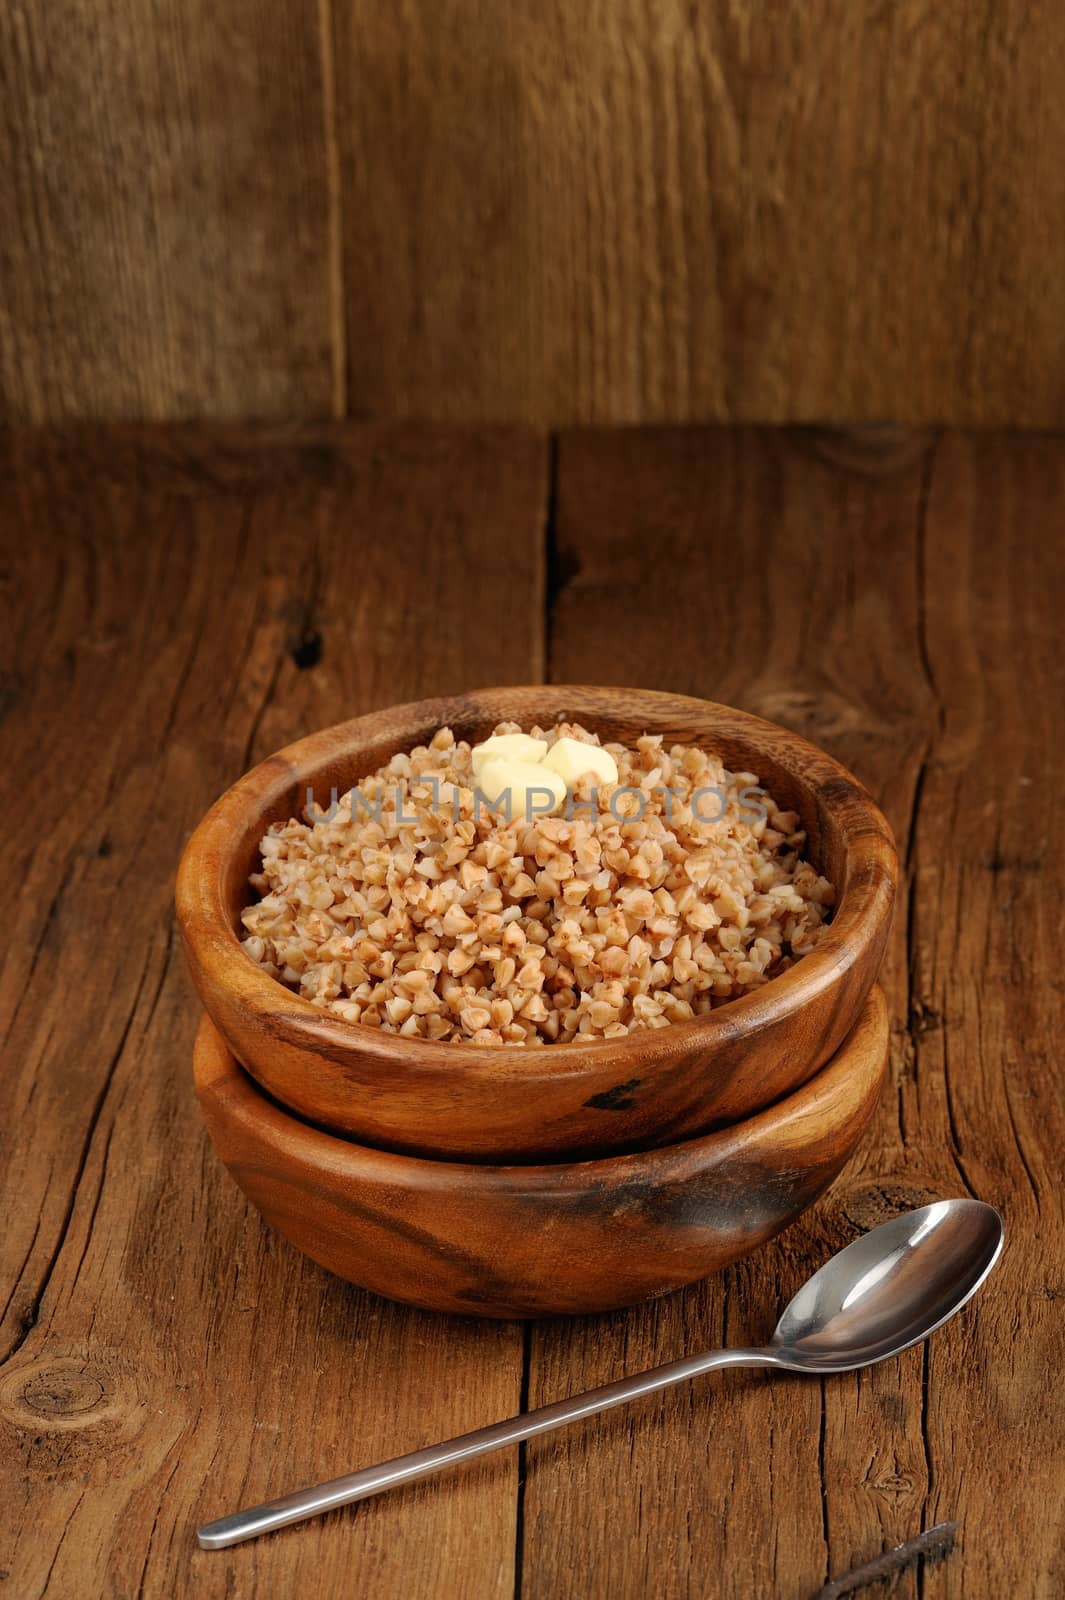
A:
x: 420, y: 1463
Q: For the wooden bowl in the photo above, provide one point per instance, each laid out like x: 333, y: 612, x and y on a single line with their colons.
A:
x: 526, y: 1241
x: 475, y: 1102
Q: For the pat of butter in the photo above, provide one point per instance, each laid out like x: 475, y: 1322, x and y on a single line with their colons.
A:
x: 507, y: 747
x: 572, y: 758
x: 535, y: 791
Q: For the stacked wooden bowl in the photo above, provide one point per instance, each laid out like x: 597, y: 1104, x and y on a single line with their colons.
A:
x: 510, y: 1182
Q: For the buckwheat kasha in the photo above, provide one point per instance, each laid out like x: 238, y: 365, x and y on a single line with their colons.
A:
x: 416, y: 909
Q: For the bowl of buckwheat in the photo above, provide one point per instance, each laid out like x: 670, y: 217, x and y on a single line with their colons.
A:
x: 539, y: 922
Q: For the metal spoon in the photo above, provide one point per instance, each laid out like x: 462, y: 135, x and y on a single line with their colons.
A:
x: 886, y: 1291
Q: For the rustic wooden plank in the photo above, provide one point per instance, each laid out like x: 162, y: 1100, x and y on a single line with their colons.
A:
x: 987, y: 995
x: 441, y: 261
x: 168, y: 241
x: 840, y: 211
x: 897, y: 601
x: 623, y: 213
x: 164, y: 1358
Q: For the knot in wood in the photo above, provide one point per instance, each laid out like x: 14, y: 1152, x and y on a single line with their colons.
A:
x: 63, y: 1393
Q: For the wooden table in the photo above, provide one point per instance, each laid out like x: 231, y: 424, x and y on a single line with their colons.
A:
x: 180, y: 603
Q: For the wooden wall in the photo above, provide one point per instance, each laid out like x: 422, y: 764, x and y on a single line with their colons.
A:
x: 560, y: 211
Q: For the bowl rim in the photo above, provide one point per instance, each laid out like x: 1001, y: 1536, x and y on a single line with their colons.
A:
x: 836, y: 1085
x: 211, y: 940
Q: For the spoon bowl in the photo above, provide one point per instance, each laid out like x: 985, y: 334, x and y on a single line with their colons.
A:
x: 889, y: 1289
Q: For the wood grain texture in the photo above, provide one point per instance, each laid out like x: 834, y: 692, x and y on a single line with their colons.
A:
x: 897, y: 599
x: 466, y: 1102
x: 818, y: 210
x: 836, y: 210
x: 173, y: 609
x: 571, y: 1237
x: 166, y: 244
